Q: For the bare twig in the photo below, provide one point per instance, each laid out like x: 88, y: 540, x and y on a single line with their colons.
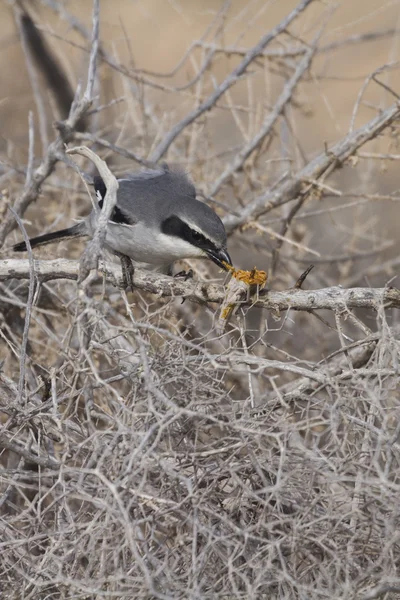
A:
x: 89, y: 137
x: 290, y: 52
x: 29, y: 304
x: 94, y: 48
x: 370, y: 77
x: 31, y: 152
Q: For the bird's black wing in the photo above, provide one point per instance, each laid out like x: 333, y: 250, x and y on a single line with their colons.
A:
x: 117, y: 216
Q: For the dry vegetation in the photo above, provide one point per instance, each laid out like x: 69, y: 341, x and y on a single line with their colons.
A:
x: 145, y: 454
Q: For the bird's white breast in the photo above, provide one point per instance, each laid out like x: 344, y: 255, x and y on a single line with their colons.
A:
x: 148, y: 246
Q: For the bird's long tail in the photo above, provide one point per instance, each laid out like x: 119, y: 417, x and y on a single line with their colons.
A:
x: 77, y: 230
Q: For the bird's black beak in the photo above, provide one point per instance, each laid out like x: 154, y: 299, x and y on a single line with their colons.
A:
x: 220, y: 257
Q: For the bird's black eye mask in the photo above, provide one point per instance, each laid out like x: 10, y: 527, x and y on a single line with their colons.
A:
x: 178, y: 228
x: 117, y: 216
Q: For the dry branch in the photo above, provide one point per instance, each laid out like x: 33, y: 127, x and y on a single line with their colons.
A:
x: 322, y: 166
x: 94, y: 139
x: 270, y: 120
x: 7, y: 440
x: 332, y: 298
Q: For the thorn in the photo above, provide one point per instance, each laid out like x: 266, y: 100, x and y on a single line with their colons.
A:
x: 302, y: 278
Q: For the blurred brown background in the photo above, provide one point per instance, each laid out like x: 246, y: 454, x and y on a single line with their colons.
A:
x: 160, y: 31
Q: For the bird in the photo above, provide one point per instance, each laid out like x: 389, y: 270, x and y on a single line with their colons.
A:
x: 156, y: 221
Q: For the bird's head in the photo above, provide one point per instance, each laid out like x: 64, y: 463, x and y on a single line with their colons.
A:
x: 198, y: 226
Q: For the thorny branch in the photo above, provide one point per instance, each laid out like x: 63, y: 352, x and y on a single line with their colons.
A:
x: 322, y: 166
x: 270, y: 120
x: 333, y: 298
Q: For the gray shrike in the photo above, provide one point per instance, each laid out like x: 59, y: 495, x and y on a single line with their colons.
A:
x: 156, y: 221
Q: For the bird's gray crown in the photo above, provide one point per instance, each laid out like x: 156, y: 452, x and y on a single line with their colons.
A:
x: 202, y: 221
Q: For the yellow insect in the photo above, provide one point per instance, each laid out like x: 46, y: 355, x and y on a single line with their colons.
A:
x: 241, y: 285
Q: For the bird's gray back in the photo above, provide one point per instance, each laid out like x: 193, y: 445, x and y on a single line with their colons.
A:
x: 150, y: 196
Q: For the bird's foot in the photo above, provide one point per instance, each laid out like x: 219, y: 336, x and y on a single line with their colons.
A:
x: 185, y: 275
